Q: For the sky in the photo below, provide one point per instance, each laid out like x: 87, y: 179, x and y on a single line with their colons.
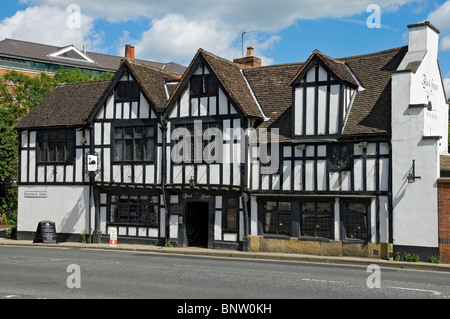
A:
x: 282, y: 31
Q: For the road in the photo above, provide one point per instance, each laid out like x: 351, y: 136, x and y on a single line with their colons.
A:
x: 61, y: 273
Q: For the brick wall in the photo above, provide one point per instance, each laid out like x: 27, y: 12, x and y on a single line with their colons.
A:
x: 444, y: 219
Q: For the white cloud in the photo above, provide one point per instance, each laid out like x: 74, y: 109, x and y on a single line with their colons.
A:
x: 177, y: 28
x: 439, y: 17
x: 48, y: 25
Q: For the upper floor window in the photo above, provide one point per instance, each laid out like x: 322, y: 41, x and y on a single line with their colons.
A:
x: 56, y: 147
x: 204, y: 85
x: 127, y: 91
x: 340, y: 157
x: 134, y: 143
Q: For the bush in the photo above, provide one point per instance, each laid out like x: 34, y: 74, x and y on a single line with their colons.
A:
x: 4, y: 220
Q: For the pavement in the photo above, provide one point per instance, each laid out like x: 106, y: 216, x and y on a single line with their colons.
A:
x: 220, y: 253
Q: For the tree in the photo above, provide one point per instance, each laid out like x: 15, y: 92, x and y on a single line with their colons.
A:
x: 19, y: 93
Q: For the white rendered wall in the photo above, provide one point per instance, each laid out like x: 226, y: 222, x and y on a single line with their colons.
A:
x: 67, y: 206
x: 419, y: 133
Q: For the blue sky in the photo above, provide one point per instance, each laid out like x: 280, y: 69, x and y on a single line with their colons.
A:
x: 283, y: 31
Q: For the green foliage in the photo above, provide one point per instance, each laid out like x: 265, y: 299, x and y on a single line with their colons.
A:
x: 4, y: 221
x: 65, y: 75
x: 20, y: 93
x: 434, y: 259
x: 409, y: 257
x: 169, y: 244
x: 85, y: 238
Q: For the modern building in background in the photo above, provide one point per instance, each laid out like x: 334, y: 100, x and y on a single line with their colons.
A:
x: 34, y: 58
x: 330, y: 156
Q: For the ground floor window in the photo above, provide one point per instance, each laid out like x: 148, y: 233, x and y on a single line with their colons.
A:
x: 316, y: 219
x: 134, y: 209
x: 356, y: 220
x: 277, y: 217
x: 231, y: 213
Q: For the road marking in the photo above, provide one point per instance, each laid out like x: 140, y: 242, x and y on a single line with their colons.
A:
x: 436, y: 293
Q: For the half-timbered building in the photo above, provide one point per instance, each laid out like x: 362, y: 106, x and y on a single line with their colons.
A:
x: 331, y: 156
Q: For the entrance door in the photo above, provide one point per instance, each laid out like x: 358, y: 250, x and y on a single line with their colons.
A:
x: 197, y: 224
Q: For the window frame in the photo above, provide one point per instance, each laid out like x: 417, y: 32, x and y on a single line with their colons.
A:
x: 226, y: 209
x: 68, y: 141
x: 277, y: 212
x: 146, y: 127
x: 341, y: 167
x: 345, y: 220
x: 206, y: 89
x: 316, y: 213
x: 114, y: 202
x: 190, y: 126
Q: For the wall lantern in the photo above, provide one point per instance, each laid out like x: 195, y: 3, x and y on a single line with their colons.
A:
x: 192, y: 182
x: 363, y: 144
x: 412, y: 173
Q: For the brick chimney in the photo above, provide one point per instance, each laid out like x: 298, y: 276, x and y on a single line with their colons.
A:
x: 129, y: 51
x: 250, y: 61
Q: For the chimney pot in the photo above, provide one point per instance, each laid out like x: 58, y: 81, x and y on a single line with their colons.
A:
x: 129, y: 51
x: 250, y: 51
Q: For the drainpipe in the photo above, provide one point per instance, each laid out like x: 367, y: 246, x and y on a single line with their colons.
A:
x: 97, y: 234
x: 390, y: 206
x: 164, y: 177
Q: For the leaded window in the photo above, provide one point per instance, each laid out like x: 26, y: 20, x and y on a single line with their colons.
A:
x: 134, y: 144
x: 134, y: 209
x: 356, y: 220
x: 199, y: 143
x: 316, y: 219
x: 56, y: 146
x: 340, y: 157
x: 277, y: 218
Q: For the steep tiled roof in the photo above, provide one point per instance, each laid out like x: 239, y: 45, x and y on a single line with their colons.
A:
x: 337, y: 67
x: 151, y: 80
x: 232, y: 79
x: 270, y: 85
x: 371, y: 110
x: 67, y: 105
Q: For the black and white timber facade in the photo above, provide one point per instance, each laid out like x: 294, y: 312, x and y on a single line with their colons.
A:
x: 311, y: 157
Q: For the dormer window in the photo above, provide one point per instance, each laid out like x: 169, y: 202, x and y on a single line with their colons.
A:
x: 324, y: 89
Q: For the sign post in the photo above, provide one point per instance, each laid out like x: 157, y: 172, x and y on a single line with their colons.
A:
x: 113, y: 237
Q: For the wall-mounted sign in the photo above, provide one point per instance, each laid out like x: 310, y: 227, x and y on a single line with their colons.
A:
x: 429, y: 84
x: 92, y: 163
x: 35, y: 194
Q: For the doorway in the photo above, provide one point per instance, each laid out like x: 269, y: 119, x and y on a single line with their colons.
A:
x: 197, y: 223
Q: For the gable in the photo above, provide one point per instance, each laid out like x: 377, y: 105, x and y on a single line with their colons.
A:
x: 231, y: 83
x: 136, y: 91
x: 70, y: 52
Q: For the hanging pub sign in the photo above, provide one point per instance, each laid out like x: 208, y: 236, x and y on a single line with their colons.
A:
x: 92, y: 162
x: 45, y: 233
